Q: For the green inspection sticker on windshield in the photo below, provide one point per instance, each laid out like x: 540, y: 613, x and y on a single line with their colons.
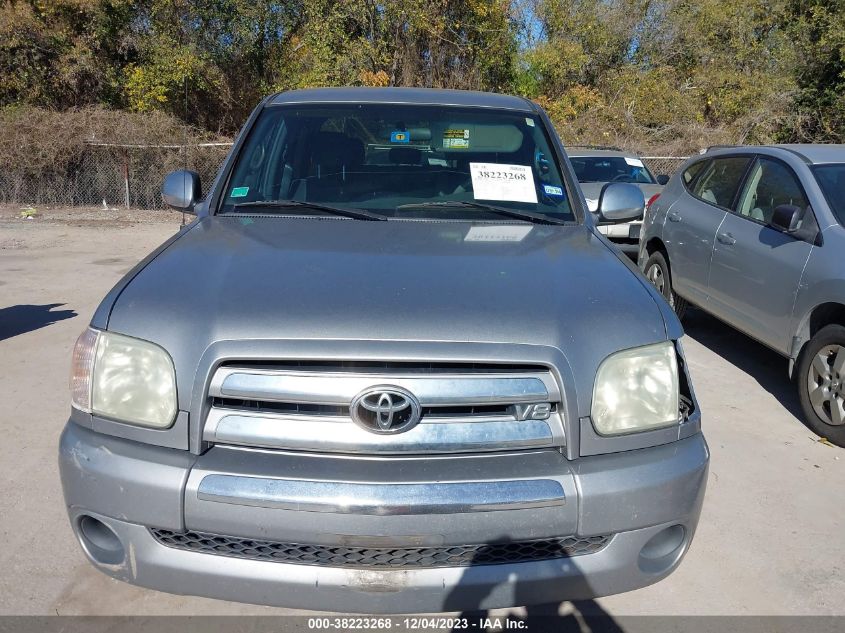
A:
x: 239, y: 192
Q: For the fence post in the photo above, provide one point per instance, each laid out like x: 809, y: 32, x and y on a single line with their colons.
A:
x: 126, y: 176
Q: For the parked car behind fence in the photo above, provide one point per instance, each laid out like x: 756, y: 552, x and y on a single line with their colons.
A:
x: 596, y: 166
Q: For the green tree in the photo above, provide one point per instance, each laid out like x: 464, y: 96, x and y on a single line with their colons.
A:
x: 732, y: 59
x: 64, y: 53
x: 659, y: 72
x: 818, y: 29
x: 220, y: 55
x: 434, y: 43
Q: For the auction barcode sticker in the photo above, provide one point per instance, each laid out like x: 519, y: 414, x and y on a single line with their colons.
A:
x: 492, y: 181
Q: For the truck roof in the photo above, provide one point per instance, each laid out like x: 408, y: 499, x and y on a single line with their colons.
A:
x: 415, y: 96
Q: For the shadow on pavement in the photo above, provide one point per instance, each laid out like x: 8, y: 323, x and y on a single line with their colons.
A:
x: 566, y: 616
x: 768, y: 368
x: 20, y: 319
x: 576, y: 616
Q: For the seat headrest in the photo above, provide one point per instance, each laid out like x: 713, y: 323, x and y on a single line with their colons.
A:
x: 332, y: 150
x: 404, y: 156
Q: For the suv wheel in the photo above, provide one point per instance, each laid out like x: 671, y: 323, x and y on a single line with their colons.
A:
x: 657, y: 272
x: 821, y: 383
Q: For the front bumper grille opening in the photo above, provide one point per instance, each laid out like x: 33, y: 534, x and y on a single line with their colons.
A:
x: 381, y: 557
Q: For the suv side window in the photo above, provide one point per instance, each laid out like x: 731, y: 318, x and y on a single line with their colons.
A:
x: 692, y: 171
x: 718, y: 183
x: 770, y: 184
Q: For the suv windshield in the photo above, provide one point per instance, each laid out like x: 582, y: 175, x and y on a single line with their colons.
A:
x: 398, y: 161
x: 831, y: 179
x: 611, y: 169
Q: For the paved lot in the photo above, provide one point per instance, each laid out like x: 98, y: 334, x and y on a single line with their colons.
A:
x: 771, y: 538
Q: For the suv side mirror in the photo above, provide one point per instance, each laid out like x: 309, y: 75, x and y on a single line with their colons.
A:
x: 620, y: 202
x: 662, y: 179
x: 181, y: 190
x: 786, y: 218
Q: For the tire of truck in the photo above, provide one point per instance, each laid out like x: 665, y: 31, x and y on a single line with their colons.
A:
x: 657, y: 272
x: 821, y: 383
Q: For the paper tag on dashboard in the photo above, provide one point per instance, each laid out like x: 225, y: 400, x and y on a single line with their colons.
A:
x: 512, y: 183
x: 634, y: 162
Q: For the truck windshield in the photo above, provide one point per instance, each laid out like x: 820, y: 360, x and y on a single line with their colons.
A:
x: 831, y: 179
x: 611, y: 169
x: 398, y: 162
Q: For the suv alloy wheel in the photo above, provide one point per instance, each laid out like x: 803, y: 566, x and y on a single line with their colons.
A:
x: 657, y: 272
x: 821, y: 383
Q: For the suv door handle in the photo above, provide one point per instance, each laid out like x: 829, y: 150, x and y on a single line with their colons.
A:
x: 674, y: 216
x: 726, y: 238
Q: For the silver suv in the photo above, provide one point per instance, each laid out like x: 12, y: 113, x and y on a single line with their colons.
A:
x: 755, y: 236
x: 391, y: 367
x: 595, y: 166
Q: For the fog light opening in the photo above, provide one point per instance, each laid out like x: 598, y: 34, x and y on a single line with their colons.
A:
x: 663, y: 550
x: 100, y: 541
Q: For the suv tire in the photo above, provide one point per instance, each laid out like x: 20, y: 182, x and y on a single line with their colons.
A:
x: 656, y: 271
x: 821, y: 383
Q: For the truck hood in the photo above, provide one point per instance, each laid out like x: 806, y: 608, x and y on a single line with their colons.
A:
x: 229, y: 279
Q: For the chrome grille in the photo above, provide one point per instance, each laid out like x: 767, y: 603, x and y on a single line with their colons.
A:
x: 381, y: 557
x: 339, y: 388
x: 466, y: 407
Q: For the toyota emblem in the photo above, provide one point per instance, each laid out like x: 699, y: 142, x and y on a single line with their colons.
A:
x: 385, y: 409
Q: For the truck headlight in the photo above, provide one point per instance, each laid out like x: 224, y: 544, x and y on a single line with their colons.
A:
x: 637, y: 390
x: 123, y: 378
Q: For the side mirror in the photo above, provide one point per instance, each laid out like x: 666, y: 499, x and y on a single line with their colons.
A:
x: 620, y: 202
x: 786, y: 218
x: 181, y: 190
x: 662, y: 179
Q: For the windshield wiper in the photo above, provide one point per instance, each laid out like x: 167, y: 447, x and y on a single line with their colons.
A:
x: 529, y: 216
x: 357, y: 214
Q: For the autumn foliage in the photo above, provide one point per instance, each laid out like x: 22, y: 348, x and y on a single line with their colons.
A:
x: 656, y: 75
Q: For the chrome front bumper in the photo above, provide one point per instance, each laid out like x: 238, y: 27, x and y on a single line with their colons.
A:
x: 626, y: 236
x: 640, y: 497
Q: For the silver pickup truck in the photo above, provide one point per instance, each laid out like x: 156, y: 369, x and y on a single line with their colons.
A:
x: 392, y: 366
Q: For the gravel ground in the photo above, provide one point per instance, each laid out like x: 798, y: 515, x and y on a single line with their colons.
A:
x: 102, y: 217
x: 772, y: 533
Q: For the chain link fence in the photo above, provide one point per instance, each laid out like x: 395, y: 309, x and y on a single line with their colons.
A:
x: 663, y: 165
x: 131, y: 175
x: 121, y: 175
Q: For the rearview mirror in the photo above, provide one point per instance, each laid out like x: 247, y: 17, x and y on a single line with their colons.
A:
x: 786, y: 218
x: 662, y: 179
x: 620, y: 202
x: 181, y: 190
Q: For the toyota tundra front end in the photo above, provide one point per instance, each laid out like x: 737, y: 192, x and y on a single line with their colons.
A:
x: 391, y: 367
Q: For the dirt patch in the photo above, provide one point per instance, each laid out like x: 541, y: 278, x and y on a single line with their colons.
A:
x: 109, y: 261
x: 118, y: 217
x: 11, y: 244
